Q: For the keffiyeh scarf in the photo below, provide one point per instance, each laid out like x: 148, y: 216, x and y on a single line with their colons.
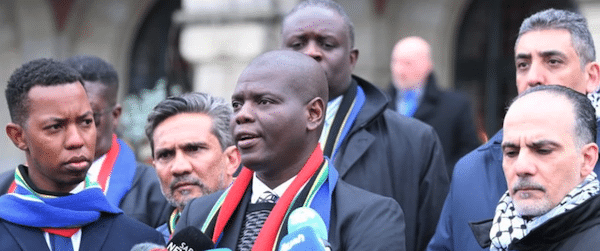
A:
x: 595, y: 98
x: 508, y: 226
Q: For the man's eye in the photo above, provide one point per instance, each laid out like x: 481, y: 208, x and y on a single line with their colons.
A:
x: 510, y: 153
x: 192, y: 148
x: 163, y: 155
x: 544, y: 151
x: 54, y: 127
x: 295, y: 45
x: 553, y: 61
x: 236, y: 104
x: 522, y: 65
x: 264, y: 102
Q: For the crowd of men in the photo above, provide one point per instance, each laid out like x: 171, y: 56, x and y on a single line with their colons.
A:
x: 376, y: 170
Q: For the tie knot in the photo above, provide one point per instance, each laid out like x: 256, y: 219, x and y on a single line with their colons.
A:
x: 267, y: 197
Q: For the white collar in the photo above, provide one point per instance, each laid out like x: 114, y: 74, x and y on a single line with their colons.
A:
x: 258, y: 188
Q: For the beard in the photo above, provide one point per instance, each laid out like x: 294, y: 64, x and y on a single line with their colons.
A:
x: 186, y: 196
x: 528, y: 207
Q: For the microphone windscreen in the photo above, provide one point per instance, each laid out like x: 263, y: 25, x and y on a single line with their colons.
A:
x: 306, y: 216
x: 190, y: 237
x: 303, y: 239
x: 147, y: 246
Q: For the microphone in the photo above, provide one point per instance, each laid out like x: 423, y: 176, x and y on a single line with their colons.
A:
x: 307, y: 231
x: 148, y: 246
x: 190, y: 238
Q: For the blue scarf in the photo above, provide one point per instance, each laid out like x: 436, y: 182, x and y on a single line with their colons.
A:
x: 351, y: 104
x: 118, y: 171
x: 28, y: 208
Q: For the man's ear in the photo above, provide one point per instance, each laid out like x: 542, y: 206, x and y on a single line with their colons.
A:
x: 233, y: 159
x: 316, y: 113
x: 16, y: 134
x: 116, y: 113
x: 353, y: 58
x: 593, y: 75
x: 590, y: 157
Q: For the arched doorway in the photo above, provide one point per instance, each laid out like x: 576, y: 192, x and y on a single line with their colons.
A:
x: 156, y: 70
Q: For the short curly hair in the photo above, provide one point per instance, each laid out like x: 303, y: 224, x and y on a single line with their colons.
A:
x: 39, y: 72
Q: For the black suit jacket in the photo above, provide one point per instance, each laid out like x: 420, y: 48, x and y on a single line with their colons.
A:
x: 109, y: 233
x: 360, y: 220
x: 449, y: 113
x: 398, y: 157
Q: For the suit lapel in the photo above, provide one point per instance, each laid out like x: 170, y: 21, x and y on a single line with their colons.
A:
x: 429, y: 101
x: 232, y: 231
x: 27, y: 237
x: 356, y: 147
x: 94, y: 235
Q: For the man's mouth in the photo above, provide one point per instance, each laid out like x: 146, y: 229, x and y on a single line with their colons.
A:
x: 246, y: 140
x: 78, y: 163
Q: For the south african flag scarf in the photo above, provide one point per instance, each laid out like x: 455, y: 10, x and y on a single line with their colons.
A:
x: 320, y: 179
x: 28, y: 208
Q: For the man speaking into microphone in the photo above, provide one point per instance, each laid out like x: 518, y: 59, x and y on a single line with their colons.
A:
x: 279, y: 106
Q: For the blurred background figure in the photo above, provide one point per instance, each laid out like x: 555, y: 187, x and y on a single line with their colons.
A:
x: 192, y: 149
x: 128, y: 184
x: 414, y: 92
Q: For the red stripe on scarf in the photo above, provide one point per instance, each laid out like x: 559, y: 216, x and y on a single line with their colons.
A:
x: 268, y: 234
x: 64, y: 232
x: 108, y: 164
x: 12, y: 187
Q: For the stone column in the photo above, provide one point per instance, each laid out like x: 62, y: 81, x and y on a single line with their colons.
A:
x: 219, y: 38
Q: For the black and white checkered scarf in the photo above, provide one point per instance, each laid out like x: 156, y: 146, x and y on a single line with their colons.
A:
x: 595, y: 98
x: 508, y: 226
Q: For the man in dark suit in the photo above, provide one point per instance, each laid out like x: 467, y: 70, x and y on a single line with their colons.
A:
x: 414, y: 93
x: 130, y: 185
x: 55, y: 204
x: 371, y: 146
x: 279, y: 107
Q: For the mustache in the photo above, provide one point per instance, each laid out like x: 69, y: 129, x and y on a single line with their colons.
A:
x: 526, y: 183
x: 187, y: 179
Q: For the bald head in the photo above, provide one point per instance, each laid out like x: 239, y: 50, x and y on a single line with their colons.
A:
x: 411, y: 63
x: 279, y: 106
x: 305, y: 76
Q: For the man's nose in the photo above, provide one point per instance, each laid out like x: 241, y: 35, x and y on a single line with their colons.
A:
x: 523, y: 165
x: 536, y: 75
x: 313, y: 50
x: 74, y: 138
x: 180, y: 165
x: 244, y: 114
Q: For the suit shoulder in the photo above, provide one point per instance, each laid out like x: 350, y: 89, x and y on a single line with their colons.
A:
x: 137, y: 228
x: 356, y: 197
x: 197, y: 210
x: 403, y: 123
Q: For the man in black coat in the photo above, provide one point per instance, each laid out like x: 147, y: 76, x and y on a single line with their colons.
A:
x: 414, y: 93
x: 549, y: 153
x: 279, y: 107
x: 372, y: 147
